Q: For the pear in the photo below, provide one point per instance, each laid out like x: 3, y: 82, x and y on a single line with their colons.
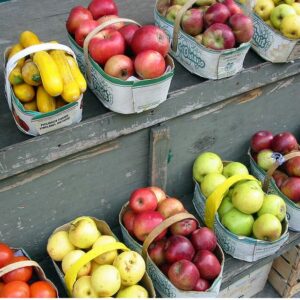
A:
x: 108, y: 257
x: 134, y: 291
x: 267, y: 228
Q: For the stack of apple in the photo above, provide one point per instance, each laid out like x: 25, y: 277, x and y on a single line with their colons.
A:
x: 183, y: 252
x: 109, y: 274
x: 264, y: 147
x: 216, y: 25
x: 145, y: 47
x: 283, y: 15
x: 245, y: 210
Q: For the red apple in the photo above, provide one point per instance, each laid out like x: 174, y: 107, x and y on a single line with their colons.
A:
x: 261, y: 140
x: 202, y: 285
x: 150, y: 37
x: 242, y: 27
x: 192, y: 21
x: 83, y: 30
x: 233, y: 7
x: 115, y: 26
x: 145, y: 222
x: 204, y: 239
x: 149, y: 64
x: 184, y: 227
x: 170, y: 207
x: 291, y: 188
x: 76, y: 16
x: 279, y: 177
x: 207, y: 264
x: 292, y: 166
x: 178, y: 247
x: 165, y: 268
x: 159, y: 193
x: 119, y: 66
x: 106, y: 44
x: 128, y: 220
x: 157, y: 253
x: 127, y: 32
x: 219, y: 37
x: 142, y: 199
x: 284, y: 143
x: 184, y: 275
x: 216, y: 13
x: 100, y: 8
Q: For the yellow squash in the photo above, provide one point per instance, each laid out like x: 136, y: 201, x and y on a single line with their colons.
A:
x: 15, y: 76
x: 32, y: 105
x: 60, y: 102
x: 71, y: 91
x: 31, y: 73
x: 45, y: 102
x: 28, y: 38
x: 50, y: 75
x: 14, y: 50
x: 24, y: 92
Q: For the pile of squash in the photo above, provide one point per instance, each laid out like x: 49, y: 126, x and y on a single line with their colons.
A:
x: 45, y: 80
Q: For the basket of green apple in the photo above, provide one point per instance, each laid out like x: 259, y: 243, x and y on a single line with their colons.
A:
x: 249, y: 224
x: 210, y: 38
x: 182, y: 258
x: 92, y: 263
x: 277, y: 30
x: 276, y: 161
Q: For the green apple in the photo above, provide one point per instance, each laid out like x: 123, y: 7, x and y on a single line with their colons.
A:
x: 206, y: 163
x: 238, y: 222
x: 267, y: 227
x: 71, y: 258
x: 83, y: 288
x: 265, y: 159
x: 279, y: 13
x: 290, y: 26
x: 296, y: 7
x: 107, y: 257
x: 274, y: 205
x: 134, y: 291
x: 172, y: 12
x: 263, y: 8
x: 225, y: 207
x: 235, y: 168
x: 210, y: 182
x: 289, y: 2
x: 248, y: 197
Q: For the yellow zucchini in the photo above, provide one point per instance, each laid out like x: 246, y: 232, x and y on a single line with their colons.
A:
x: 71, y: 91
x: 14, y: 50
x: 50, y: 75
x: 15, y: 76
x: 76, y: 73
x: 31, y: 73
x: 32, y: 105
x: 24, y: 92
x: 45, y: 102
x: 28, y: 38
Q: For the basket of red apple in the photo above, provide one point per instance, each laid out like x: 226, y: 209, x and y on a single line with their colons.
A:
x: 21, y: 277
x: 249, y: 223
x: 127, y: 65
x: 183, y: 259
x: 277, y: 30
x: 276, y: 161
x: 92, y: 263
x: 209, y: 38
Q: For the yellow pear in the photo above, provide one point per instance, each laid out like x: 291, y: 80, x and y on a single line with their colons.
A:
x: 70, y: 259
x: 290, y: 26
x: 108, y: 257
x: 134, y: 291
x: 263, y: 8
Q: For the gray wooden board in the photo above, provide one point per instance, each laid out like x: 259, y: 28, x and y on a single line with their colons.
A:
x: 188, y: 92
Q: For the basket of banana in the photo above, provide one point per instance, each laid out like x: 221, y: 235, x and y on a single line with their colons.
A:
x: 43, y: 84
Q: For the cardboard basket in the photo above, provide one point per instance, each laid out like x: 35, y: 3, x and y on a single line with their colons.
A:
x: 38, y: 271
x: 269, y: 186
x: 124, y: 97
x: 162, y: 284
x: 196, y: 58
x: 69, y: 278
x: 32, y: 122
x: 271, y: 45
x: 240, y: 247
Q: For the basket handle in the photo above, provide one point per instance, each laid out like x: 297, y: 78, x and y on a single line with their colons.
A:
x: 20, y: 264
x: 71, y: 274
x: 93, y: 33
x: 161, y: 227
x: 278, y: 163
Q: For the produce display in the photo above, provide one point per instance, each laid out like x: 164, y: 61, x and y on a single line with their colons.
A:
x: 45, y: 80
x: 245, y: 209
x: 109, y: 274
x: 21, y: 282
x: 283, y: 16
x: 121, y: 50
x: 183, y: 252
x: 216, y: 25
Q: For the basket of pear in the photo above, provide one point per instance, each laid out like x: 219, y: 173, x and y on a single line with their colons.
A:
x: 277, y: 30
x: 44, y: 86
x: 249, y: 223
x: 92, y: 263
